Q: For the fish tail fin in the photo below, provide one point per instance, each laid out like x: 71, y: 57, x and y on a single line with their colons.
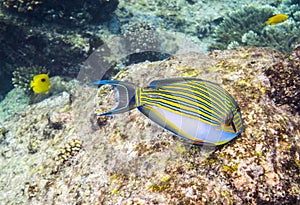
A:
x: 126, y: 92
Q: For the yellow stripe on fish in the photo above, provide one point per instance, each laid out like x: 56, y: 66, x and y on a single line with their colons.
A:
x: 199, y: 111
x: 203, y: 94
x: 181, y: 97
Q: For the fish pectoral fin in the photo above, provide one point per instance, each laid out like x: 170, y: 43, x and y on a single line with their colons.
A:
x: 233, y: 126
x: 229, y: 118
x: 228, y: 122
x: 31, y: 84
x: 204, y: 143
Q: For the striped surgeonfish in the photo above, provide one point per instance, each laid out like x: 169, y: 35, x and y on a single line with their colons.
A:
x: 199, y: 111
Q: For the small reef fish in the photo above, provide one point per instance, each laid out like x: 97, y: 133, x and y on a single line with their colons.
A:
x: 199, y: 111
x: 278, y: 18
x: 40, y: 83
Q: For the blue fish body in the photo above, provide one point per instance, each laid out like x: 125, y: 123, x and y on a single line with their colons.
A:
x: 199, y: 111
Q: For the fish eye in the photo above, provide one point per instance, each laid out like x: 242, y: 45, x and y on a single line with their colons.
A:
x: 238, y: 109
x: 43, y: 79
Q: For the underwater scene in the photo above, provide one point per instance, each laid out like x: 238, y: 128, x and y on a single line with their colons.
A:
x: 141, y: 102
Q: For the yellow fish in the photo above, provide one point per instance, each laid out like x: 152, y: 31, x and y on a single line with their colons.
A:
x: 40, y: 83
x: 278, y: 18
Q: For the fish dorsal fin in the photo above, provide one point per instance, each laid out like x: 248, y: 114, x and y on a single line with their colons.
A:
x: 169, y: 81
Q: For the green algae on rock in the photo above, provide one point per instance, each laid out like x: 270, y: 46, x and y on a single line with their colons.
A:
x: 129, y: 159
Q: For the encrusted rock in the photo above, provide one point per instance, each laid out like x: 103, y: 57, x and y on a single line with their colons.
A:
x: 69, y: 150
x: 129, y: 159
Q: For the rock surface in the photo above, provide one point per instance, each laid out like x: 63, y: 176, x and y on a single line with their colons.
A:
x: 56, y: 151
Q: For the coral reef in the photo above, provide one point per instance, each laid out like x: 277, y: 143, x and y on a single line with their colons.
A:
x: 22, y: 76
x: 17, y: 100
x: 141, y: 42
x: 14, y: 102
x: 284, y: 77
x: 75, y: 12
x: 66, y: 152
x: 236, y: 24
x: 61, y: 35
x: 54, y: 34
x: 54, y: 150
x: 60, y: 51
x: 141, y: 36
x: 127, y: 159
x: 196, y: 19
x: 246, y: 27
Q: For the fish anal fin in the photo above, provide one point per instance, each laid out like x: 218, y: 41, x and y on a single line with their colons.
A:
x: 202, y: 143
